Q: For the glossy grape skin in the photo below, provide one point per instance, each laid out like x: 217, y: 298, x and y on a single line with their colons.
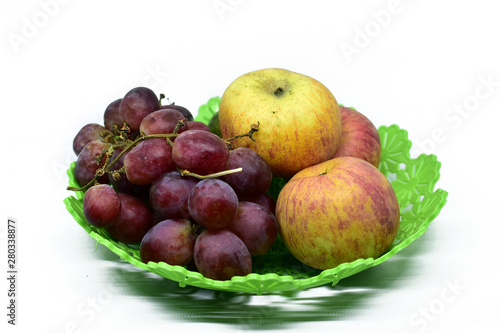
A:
x: 86, y: 164
x: 101, y: 205
x: 87, y: 133
x: 256, y: 176
x: 213, y: 203
x: 171, y: 241
x: 137, y: 104
x: 169, y: 195
x: 162, y: 121
x: 185, y: 112
x: 133, y: 222
x: 219, y: 254
x: 255, y: 226
x: 200, y: 152
x: 197, y: 125
x: 123, y: 184
x: 148, y: 160
x: 112, y: 116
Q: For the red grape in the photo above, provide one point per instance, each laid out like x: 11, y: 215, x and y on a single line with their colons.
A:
x: 148, y: 160
x: 134, y: 220
x: 171, y: 241
x: 255, y: 226
x: 219, y: 254
x: 197, y: 125
x: 137, y: 104
x: 185, y: 112
x: 87, y: 133
x: 200, y: 152
x: 169, y: 195
x: 87, y: 164
x: 256, y: 176
x: 265, y: 200
x: 213, y: 203
x: 101, y: 205
x: 112, y: 116
x: 162, y: 122
x: 123, y: 184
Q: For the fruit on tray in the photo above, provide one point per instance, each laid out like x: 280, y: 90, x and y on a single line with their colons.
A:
x: 152, y: 176
x: 169, y: 194
x: 299, y: 119
x: 148, y: 160
x: 89, y: 160
x: 256, y: 226
x: 162, y: 121
x: 87, y: 133
x: 360, y: 137
x: 170, y: 241
x: 137, y: 104
x: 101, y: 205
x: 185, y: 112
x: 219, y: 254
x: 337, y: 211
x: 200, y: 152
x: 171, y: 186
x: 134, y: 220
x: 256, y: 176
x: 213, y: 203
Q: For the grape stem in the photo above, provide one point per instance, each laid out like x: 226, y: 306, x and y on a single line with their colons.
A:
x: 130, y: 144
x: 184, y: 172
x: 253, y: 128
x: 101, y: 171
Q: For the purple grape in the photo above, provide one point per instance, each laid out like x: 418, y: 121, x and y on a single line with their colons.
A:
x: 219, y: 254
x: 162, y: 122
x: 101, y: 205
x: 255, y: 226
x: 148, y: 160
x: 112, y: 119
x: 169, y: 195
x: 171, y: 241
x: 137, y: 104
x: 123, y: 184
x: 200, y: 152
x: 213, y: 203
x: 87, y: 164
x: 87, y: 133
x: 185, y: 112
x: 197, y: 125
x: 133, y: 222
x: 256, y: 176
x: 265, y: 200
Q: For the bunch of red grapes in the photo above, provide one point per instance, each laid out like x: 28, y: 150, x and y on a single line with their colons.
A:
x: 153, y: 176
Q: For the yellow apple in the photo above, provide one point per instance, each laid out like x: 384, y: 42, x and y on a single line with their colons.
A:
x: 300, y: 124
x: 337, y: 211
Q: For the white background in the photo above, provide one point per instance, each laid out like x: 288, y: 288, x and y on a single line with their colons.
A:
x: 411, y: 63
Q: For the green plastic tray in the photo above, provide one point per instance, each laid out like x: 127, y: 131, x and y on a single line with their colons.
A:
x: 413, y: 181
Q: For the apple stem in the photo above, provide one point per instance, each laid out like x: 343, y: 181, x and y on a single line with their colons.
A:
x: 279, y: 91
